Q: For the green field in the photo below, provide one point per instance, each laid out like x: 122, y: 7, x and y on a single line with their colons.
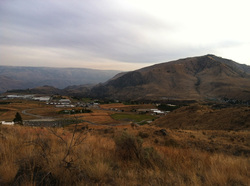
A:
x: 132, y: 117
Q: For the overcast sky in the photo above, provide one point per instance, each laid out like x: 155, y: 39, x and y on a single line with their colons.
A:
x: 121, y: 34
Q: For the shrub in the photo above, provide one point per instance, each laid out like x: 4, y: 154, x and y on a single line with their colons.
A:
x: 18, y: 118
x: 31, y: 171
x: 129, y: 148
x: 171, y: 142
x: 143, y: 134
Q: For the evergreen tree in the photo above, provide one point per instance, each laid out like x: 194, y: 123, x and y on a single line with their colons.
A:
x: 18, y: 118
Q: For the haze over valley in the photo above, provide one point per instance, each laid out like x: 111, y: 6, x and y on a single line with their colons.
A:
x: 30, y: 77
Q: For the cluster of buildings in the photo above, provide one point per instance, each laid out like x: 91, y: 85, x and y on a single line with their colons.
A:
x: 28, y: 97
x: 61, y: 103
x: 152, y: 111
x: 50, y: 100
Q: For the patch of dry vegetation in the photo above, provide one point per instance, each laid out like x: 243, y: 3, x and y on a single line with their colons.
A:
x: 205, y: 117
x: 17, y: 105
x: 126, y: 108
x: 112, y: 156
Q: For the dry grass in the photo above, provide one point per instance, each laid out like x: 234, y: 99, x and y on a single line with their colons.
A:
x: 207, y: 117
x: 48, y: 111
x: 98, y: 117
x: 126, y: 108
x: 20, y: 105
x: 44, y: 156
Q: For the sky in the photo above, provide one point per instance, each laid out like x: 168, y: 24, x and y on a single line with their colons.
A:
x: 119, y: 34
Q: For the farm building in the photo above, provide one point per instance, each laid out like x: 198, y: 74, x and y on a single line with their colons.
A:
x: 64, y: 101
x: 7, y: 122
x: 47, y: 98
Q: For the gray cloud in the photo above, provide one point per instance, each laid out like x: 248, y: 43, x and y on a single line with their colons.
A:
x: 94, y: 27
x: 101, y: 29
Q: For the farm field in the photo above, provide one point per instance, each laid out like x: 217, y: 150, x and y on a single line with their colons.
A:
x: 132, y: 117
x: 106, y: 114
x: 14, y: 106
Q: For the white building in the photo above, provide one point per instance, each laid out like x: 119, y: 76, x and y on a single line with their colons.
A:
x: 46, y: 98
x: 13, y: 96
x: 65, y: 101
x: 8, y: 122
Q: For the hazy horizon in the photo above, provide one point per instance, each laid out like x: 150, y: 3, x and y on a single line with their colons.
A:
x: 122, y: 70
x: 121, y: 35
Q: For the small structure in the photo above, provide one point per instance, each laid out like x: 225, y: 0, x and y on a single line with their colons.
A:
x: 46, y: 98
x: 143, y: 111
x: 64, y: 105
x: 13, y: 96
x: 171, y: 105
x: 64, y: 101
x: 158, y: 112
x: 152, y: 111
x: 8, y: 122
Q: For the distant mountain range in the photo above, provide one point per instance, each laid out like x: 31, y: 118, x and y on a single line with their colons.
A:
x: 30, y: 77
x: 195, y: 78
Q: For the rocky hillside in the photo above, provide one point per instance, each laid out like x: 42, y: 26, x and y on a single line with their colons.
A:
x: 196, y: 78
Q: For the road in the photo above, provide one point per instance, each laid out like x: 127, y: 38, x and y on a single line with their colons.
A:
x: 34, y: 115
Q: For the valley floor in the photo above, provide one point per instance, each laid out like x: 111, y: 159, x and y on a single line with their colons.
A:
x: 107, y: 147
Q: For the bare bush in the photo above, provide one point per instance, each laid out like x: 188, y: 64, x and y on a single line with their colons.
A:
x: 130, y: 147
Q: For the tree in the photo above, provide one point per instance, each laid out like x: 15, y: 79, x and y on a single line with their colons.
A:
x: 18, y: 118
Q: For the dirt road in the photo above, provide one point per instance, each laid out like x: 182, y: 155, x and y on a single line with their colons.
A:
x: 34, y: 115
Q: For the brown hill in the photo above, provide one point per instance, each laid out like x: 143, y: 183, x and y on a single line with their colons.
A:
x: 75, y: 90
x: 207, y: 118
x: 196, y: 78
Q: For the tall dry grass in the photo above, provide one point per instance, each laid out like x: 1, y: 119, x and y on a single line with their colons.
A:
x: 43, y: 156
